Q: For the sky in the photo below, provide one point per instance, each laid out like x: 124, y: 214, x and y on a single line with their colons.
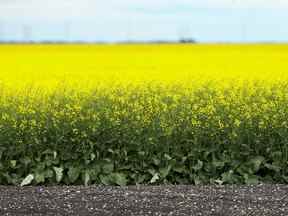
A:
x: 142, y: 20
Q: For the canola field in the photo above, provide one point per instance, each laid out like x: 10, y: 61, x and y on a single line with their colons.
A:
x: 143, y: 114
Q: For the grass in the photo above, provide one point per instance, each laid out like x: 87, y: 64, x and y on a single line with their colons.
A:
x: 143, y: 114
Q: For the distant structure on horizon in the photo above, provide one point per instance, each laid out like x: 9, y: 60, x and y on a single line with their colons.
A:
x: 29, y: 41
x: 187, y: 40
x: 26, y: 36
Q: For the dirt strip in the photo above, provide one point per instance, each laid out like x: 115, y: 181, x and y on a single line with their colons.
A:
x: 146, y: 200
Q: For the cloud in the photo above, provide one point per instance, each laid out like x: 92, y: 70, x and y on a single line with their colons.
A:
x: 152, y: 4
x: 54, y: 9
x: 99, y: 9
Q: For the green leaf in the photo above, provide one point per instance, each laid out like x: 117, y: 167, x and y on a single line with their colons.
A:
x: 106, y: 180
x: 54, y: 154
x: 1, y: 152
x: 197, y: 180
x: 108, y: 168
x: 228, y: 177
x: 120, y: 179
x: 198, y: 166
x: 152, y: 171
x: 13, y: 163
x: 26, y: 161
x: 49, y: 173
x: 86, y: 178
x: 273, y: 167
x: 251, y: 179
x: 141, y: 178
x: 166, y: 156
x: 155, y: 178
x: 92, y: 156
x: 156, y: 161
x: 218, y: 164
x: 48, y: 151
x: 28, y: 180
x: 256, y: 163
x: 179, y: 169
x: 94, y: 172
x: 164, y: 172
x: 285, y: 178
x: 39, y: 177
x: 59, y: 173
x: 73, y: 173
x: 219, y: 182
x: 277, y: 155
x: 141, y: 153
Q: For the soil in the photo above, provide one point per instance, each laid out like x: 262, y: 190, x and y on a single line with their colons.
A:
x: 145, y: 200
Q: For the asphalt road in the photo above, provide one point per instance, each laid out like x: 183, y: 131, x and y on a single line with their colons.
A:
x: 146, y: 200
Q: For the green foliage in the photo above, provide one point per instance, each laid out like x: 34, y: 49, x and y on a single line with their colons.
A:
x: 148, y: 134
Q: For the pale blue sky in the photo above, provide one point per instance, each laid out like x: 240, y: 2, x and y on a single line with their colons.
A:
x: 116, y: 20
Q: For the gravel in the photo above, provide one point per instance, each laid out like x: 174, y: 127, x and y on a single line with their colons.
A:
x: 145, y: 200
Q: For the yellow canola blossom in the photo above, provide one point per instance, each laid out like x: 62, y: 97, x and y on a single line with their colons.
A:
x: 85, y: 66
